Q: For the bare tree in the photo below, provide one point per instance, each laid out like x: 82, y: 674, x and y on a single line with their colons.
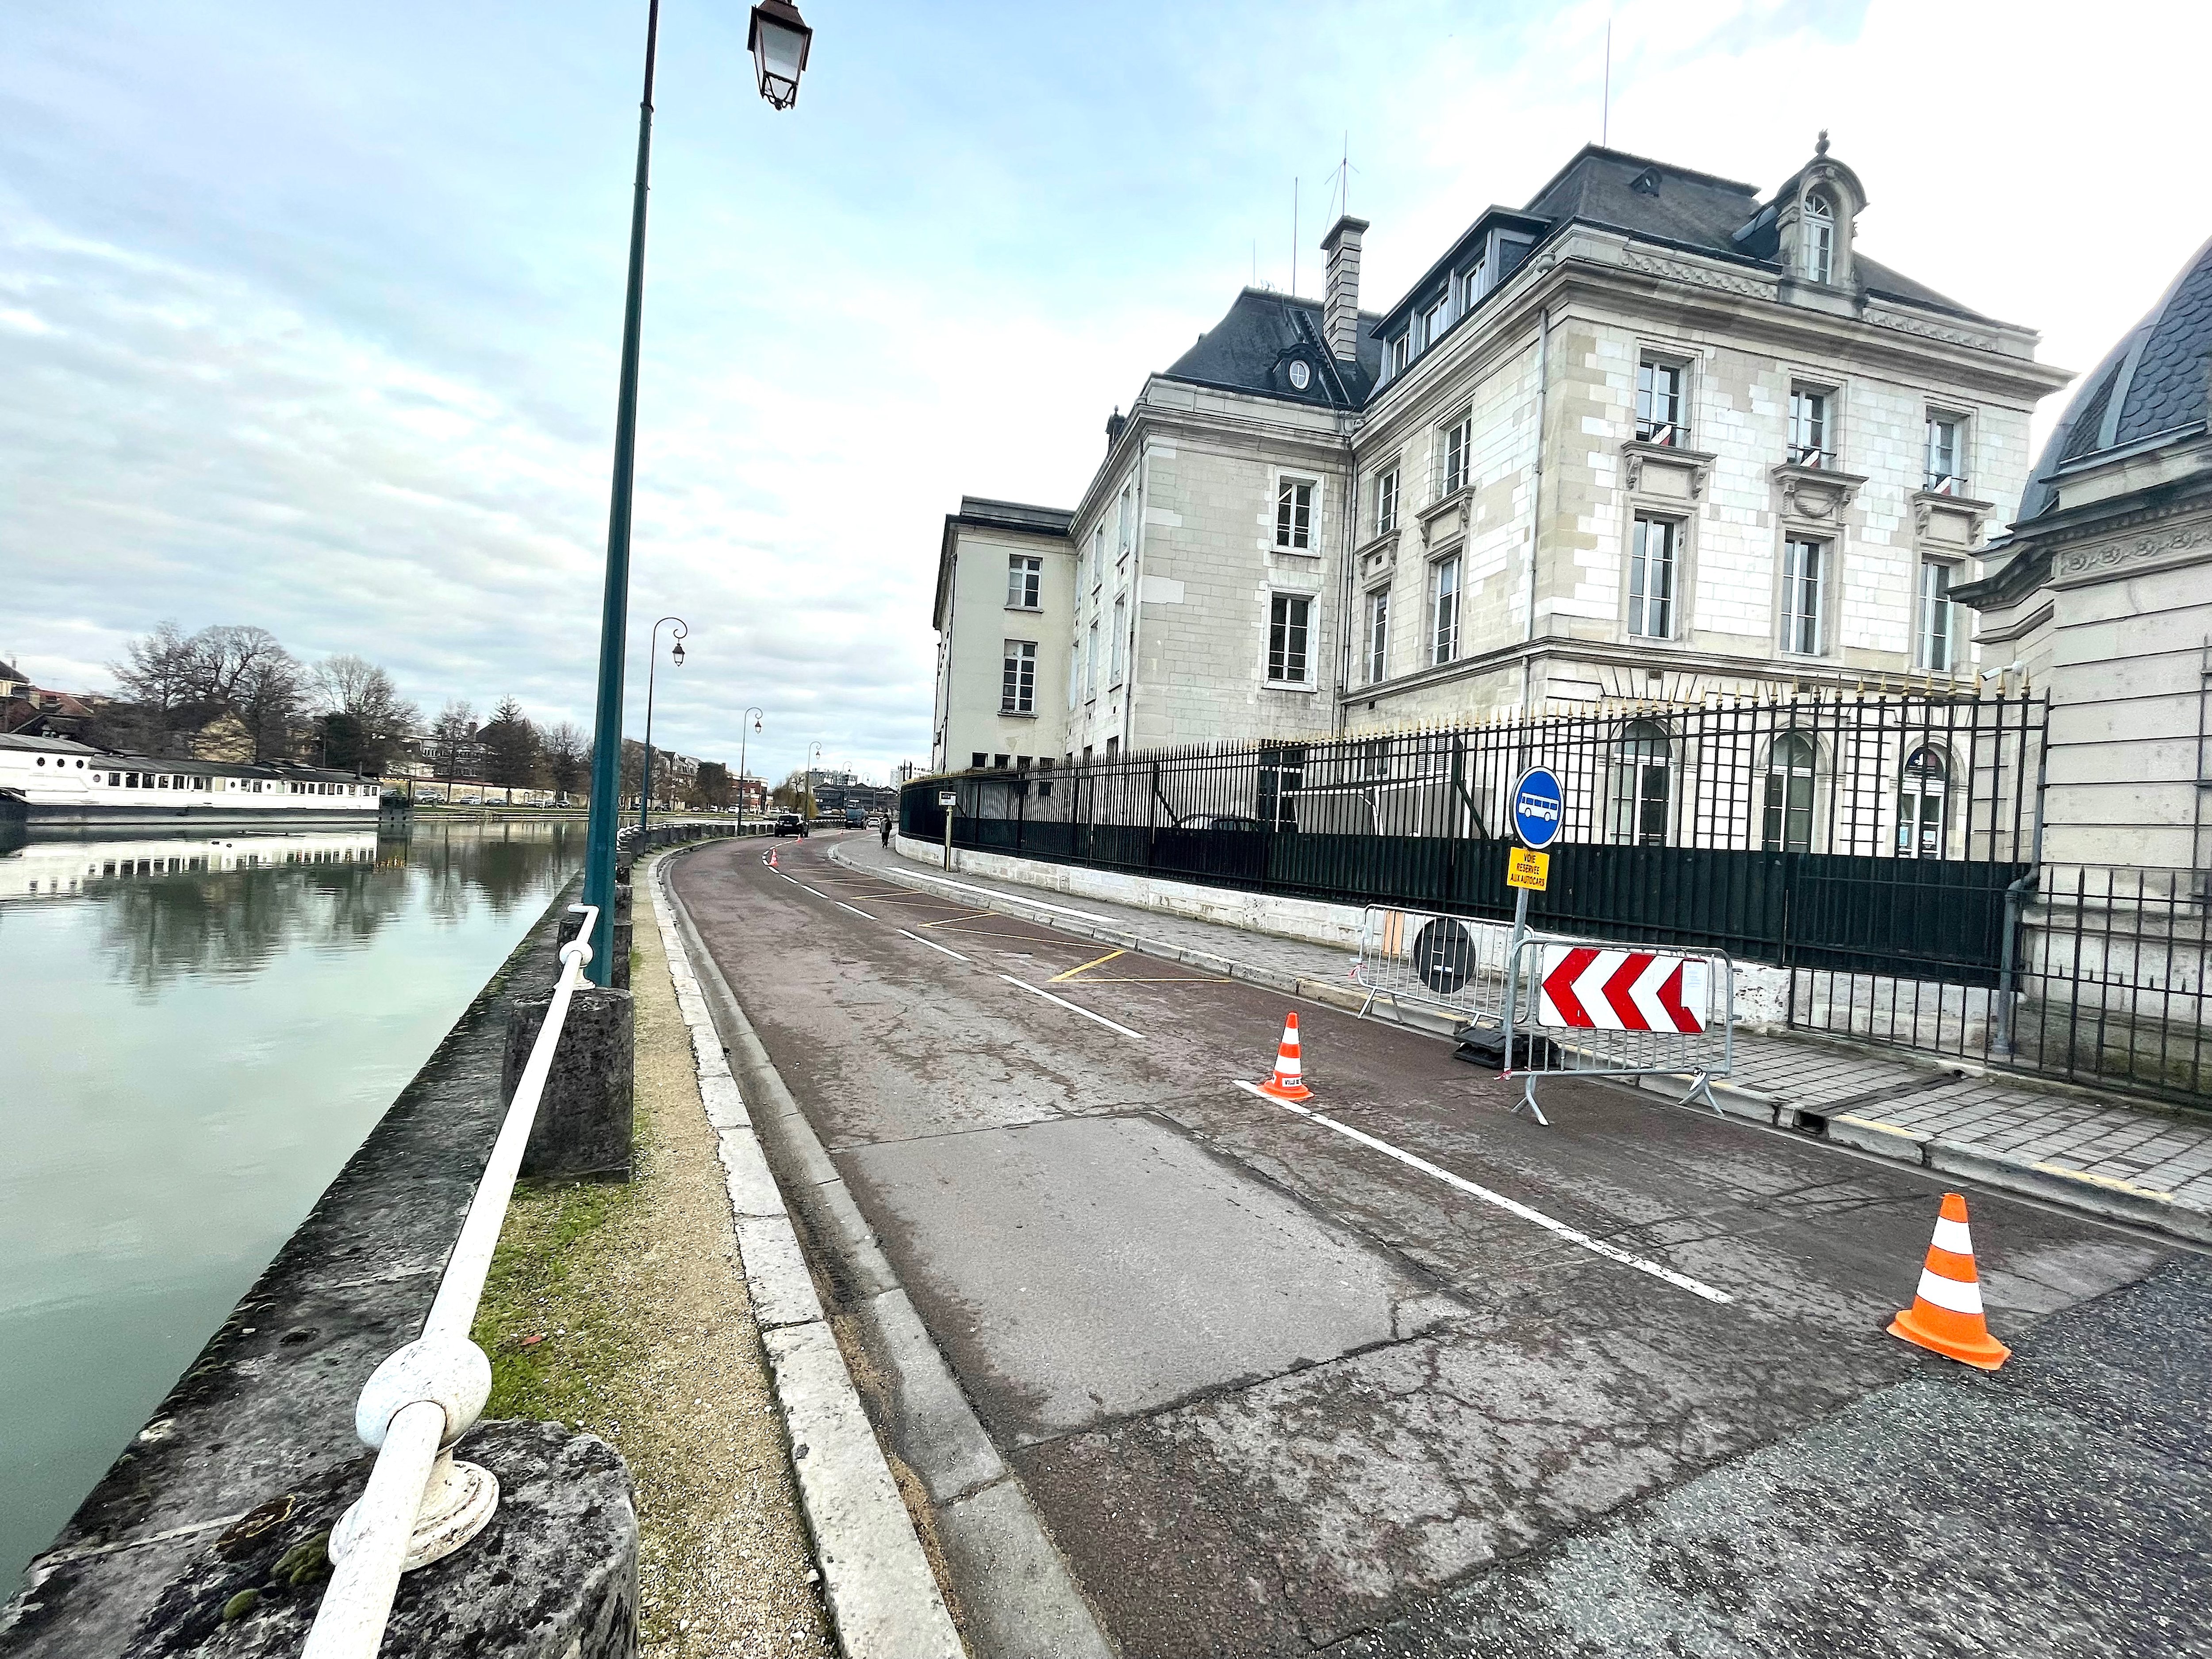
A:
x: 158, y: 672
x: 364, y: 718
x: 452, y: 737
x: 567, y: 752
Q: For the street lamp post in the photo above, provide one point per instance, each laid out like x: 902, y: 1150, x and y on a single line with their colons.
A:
x: 813, y: 753
x: 753, y: 717
x: 681, y: 632
x: 778, y: 39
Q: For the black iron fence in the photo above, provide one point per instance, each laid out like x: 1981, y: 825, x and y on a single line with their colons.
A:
x: 1880, y: 848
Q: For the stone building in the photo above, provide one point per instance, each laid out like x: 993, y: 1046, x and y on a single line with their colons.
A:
x: 1006, y: 595
x: 2102, y: 591
x: 1652, y: 435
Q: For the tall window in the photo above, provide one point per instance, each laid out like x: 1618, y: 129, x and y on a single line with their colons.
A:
x: 1400, y: 352
x: 1470, y: 289
x: 1435, y: 320
x: 1287, y: 617
x: 1786, y: 820
x: 1294, y: 514
x: 1385, y: 501
x: 1074, y: 676
x: 1803, y: 579
x: 1444, y: 609
x: 1379, y: 635
x: 1659, y: 403
x: 1808, y: 427
x: 1098, y: 553
x: 1945, y: 473
x: 1119, y: 654
x: 1920, y: 804
x: 1819, y: 240
x: 1459, y: 442
x: 1936, y: 654
x: 1126, y: 521
x: 1643, y: 783
x: 1090, y: 662
x: 1017, y: 681
x: 1652, y: 578
x: 1024, y: 578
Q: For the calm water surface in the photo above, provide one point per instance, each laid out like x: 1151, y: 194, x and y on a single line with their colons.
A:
x: 195, y: 1035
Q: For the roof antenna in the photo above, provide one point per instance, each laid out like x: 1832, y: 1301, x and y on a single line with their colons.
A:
x: 1605, y: 108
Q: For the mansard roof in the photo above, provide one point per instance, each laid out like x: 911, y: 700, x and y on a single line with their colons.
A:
x: 1252, y: 348
x: 1673, y: 206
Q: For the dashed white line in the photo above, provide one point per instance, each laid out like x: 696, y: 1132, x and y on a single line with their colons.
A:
x: 842, y: 905
x: 1074, y: 1008
x: 1612, y: 1253
x: 931, y: 943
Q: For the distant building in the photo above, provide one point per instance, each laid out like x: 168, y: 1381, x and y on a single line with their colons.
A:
x: 32, y: 711
x: 1006, y: 602
x: 2102, y: 591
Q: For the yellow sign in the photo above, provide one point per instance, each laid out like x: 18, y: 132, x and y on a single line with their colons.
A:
x: 1528, y: 869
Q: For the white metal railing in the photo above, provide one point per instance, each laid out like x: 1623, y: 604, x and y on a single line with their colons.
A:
x: 421, y: 1503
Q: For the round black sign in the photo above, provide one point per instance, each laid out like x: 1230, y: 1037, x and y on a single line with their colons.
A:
x: 1444, y: 956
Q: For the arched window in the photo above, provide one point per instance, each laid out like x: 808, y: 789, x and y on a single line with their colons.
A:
x: 1643, y: 783
x: 1786, y: 823
x: 1921, y: 802
x: 1820, y: 239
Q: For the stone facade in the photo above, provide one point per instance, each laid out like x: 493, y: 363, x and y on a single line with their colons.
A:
x: 984, y: 612
x: 1486, y: 459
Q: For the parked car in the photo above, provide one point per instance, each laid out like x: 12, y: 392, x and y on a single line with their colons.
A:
x: 790, y: 824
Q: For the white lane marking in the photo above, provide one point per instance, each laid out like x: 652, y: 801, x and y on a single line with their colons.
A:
x: 816, y: 891
x: 932, y: 944
x: 842, y: 905
x: 1612, y: 1253
x: 1071, y: 1008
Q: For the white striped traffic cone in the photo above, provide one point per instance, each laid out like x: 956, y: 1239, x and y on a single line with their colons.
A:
x: 1946, y: 1314
x: 1288, y: 1083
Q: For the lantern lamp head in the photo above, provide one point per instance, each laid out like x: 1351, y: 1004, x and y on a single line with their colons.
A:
x: 676, y: 655
x: 778, y: 39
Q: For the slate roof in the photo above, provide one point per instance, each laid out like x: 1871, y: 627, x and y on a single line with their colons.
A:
x: 2156, y: 382
x: 1012, y: 515
x: 1251, y: 349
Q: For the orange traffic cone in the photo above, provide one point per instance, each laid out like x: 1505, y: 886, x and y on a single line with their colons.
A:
x: 1287, y: 1083
x: 1946, y: 1315
x: 771, y: 858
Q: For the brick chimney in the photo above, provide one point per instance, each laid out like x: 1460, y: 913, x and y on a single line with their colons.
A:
x: 1339, y: 309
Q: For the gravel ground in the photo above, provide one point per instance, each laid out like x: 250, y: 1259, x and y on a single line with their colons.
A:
x: 622, y: 1311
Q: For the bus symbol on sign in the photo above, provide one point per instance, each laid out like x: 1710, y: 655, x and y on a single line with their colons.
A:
x: 1539, y: 805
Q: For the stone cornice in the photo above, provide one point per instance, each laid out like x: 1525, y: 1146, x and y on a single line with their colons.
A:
x: 1636, y: 455
x: 2077, y: 566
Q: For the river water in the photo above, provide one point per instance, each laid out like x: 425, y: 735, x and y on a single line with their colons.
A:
x: 195, y: 1035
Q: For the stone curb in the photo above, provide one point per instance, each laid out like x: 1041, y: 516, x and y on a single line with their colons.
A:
x: 2095, y: 1195
x: 884, y: 1596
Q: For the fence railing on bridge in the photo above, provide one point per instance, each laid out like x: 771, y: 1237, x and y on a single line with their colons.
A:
x: 1878, y: 850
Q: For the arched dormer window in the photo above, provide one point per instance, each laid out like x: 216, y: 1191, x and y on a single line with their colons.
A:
x: 1819, y: 240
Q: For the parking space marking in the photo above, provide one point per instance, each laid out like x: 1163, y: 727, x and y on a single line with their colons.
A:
x: 1035, y: 990
x: 1093, y: 963
x: 1573, y: 1235
x: 967, y: 916
x: 932, y: 944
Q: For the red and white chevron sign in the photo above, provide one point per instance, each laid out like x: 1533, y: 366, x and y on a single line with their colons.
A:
x: 1588, y: 989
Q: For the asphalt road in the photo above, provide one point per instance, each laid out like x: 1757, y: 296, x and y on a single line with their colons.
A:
x: 1409, y: 1373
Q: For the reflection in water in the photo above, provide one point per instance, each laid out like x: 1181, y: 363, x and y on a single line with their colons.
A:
x: 195, y: 1034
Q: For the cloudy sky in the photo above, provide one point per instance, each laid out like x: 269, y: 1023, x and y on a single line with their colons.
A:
x: 310, y: 315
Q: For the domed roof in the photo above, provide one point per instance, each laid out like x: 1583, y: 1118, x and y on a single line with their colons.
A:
x: 2157, y: 381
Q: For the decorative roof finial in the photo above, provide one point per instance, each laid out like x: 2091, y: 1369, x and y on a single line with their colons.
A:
x: 1821, y: 147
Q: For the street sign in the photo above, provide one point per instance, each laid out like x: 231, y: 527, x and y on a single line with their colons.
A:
x: 1539, y: 805
x: 948, y: 798
x: 1528, y: 870
x: 1585, y: 988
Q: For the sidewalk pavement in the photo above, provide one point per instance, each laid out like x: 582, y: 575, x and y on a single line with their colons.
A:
x: 2110, y: 1157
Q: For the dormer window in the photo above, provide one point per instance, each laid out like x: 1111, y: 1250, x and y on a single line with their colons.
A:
x: 1435, y: 320
x: 1470, y: 287
x: 1820, y: 239
x: 1400, y: 350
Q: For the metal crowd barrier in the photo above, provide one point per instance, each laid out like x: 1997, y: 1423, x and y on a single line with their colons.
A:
x: 1599, y: 1008
x: 1554, y: 1006
x: 1452, y: 963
